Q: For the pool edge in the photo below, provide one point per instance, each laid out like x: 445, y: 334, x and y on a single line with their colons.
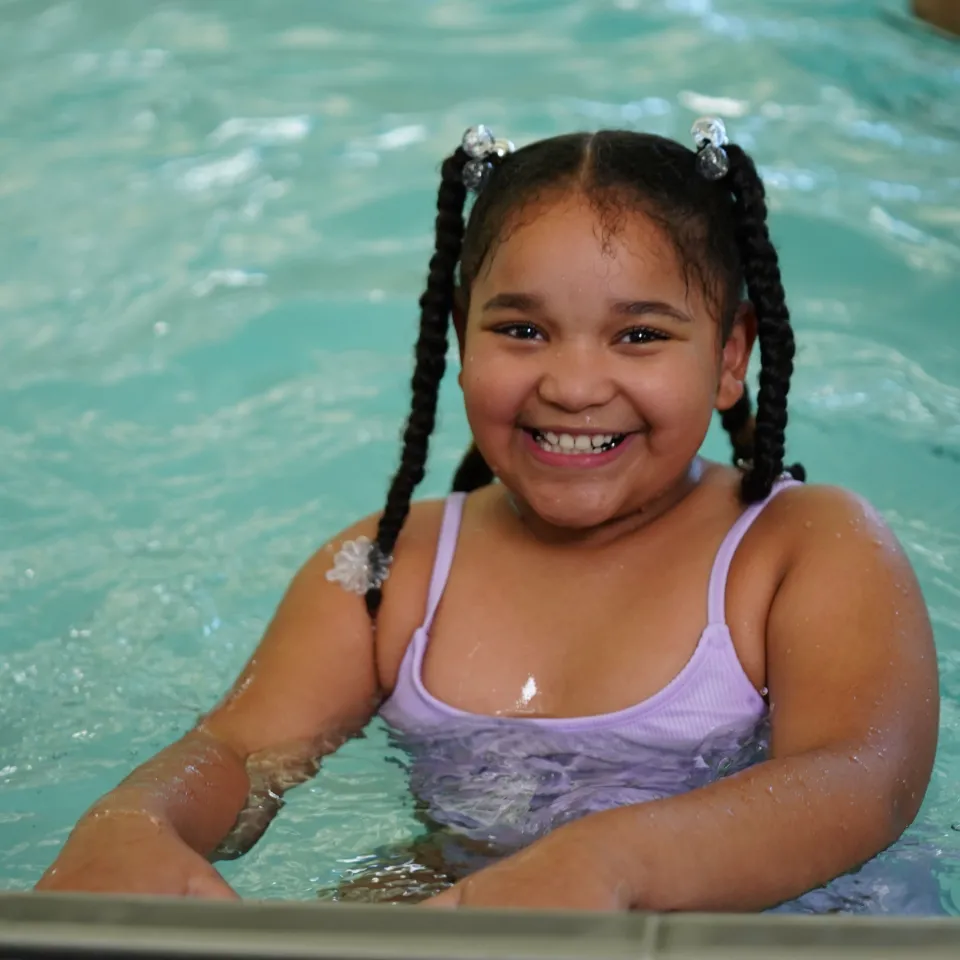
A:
x: 74, y: 926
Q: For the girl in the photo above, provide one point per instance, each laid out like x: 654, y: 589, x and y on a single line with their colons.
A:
x: 628, y: 678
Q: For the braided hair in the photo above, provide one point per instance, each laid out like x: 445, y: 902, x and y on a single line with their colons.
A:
x: 762, y: 447
x: 474, y: 472
x: 431, y: 361
x: 718, y: 230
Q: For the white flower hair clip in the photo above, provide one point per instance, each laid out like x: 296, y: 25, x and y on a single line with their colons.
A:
x: 710, y: 136
x: 359, y: 566
x: 479, y: 144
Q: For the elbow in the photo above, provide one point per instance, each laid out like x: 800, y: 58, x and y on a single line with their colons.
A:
x: 903, y: 803
x: 898, y: 802
x: 880, y: 803
x: 910, y: 777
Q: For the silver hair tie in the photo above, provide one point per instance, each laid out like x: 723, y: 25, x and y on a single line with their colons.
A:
x: 479, y: 144
x: 359, y: 566
x: 710, y: 136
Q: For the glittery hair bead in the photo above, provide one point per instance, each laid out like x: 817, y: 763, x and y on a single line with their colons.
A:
x: 359, y: 566
x: 710, y: 136
x: 483, y: 148
x: 708, y: 130
x: 713, y: 163
x: 478, y: 142
x: 475, y: 174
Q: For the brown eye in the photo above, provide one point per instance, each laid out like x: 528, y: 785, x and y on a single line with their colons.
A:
x: 642, y: 335
x: 519, y: 331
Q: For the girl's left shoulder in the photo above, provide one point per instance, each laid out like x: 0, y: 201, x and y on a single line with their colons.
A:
x: 813, y: 511
x: 824, y: 530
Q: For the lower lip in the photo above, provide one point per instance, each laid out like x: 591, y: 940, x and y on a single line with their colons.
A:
x: 581, y: 461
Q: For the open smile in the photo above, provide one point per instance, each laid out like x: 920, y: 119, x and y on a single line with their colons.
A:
x: 555, y: 448
x: 576, y: 444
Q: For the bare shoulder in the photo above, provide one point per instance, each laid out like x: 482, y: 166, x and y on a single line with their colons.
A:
x: 845, y: 575
x: 405, y: 590
x: 812, y: 518
x: 823, y: 500
x: 414, y: 550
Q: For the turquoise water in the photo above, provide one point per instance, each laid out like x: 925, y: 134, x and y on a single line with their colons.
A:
x: 217, y: 217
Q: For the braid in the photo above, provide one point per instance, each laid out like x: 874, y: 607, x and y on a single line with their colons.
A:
x: 739, y: 424
x: 431, y: 353
x: 474, y: 472
x: 761, y: 272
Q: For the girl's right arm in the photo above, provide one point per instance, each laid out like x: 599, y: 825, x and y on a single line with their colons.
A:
x: 311, y: 684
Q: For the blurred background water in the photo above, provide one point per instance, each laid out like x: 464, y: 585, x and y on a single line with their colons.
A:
x: 216, y: 222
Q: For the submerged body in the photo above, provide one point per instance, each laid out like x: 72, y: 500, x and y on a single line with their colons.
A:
x: 755, y: 654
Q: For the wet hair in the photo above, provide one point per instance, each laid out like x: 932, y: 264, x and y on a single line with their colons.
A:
x: 719, y: 233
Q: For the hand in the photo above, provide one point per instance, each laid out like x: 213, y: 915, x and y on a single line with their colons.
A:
x: 131, y: 852
x: 559, y: 872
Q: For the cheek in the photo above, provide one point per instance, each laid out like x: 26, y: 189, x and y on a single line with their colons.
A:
x: 493, y: 391
x: 677, y: 396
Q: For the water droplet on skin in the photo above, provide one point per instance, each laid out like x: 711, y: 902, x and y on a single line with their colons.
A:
x: 808, y: 523
x: 527, y: 694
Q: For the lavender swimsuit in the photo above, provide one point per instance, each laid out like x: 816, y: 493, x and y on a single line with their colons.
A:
x: 509, y: 780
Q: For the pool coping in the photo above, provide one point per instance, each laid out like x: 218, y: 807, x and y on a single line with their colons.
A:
x: 42, y: 926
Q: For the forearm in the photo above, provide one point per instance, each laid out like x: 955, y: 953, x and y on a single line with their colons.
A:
x: 752, y: 840
x: 196, y: 786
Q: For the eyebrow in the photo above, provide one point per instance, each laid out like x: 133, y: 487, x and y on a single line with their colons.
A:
x: 524, y: 302
x: 640, y: 308
x: 528, y: 303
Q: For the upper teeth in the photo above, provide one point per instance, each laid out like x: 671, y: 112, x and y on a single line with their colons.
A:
x: 582, y: 441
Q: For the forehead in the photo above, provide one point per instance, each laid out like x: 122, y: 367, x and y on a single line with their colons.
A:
x: 570, y: 243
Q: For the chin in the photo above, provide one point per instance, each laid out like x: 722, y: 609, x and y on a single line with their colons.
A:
x: 573, y: 509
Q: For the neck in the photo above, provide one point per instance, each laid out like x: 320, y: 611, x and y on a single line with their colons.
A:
x: 617, y: 527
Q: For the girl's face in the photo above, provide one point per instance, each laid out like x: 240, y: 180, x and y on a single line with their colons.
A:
x: 590, y: 367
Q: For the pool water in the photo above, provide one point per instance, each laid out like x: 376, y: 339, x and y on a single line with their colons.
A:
x: 217, y: 218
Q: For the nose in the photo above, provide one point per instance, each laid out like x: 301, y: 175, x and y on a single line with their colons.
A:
x: 575, y: 378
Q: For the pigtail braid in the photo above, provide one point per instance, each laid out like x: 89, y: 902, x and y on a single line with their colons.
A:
x: 739, y: 423
x: 761, y: 272
x: 436, y: 304
x: 474, y: 472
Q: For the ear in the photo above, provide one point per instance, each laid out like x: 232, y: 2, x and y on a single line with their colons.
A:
x: 735, y: 356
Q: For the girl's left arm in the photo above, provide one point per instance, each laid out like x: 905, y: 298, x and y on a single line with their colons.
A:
x: 852, y: 674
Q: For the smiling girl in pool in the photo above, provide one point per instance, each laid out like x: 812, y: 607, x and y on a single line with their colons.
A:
x: 594, y: 590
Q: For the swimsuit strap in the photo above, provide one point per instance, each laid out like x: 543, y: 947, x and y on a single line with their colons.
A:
x: 717, y: 590
x: 446, y: 546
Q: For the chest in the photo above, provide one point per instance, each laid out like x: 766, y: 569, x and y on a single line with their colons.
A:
x: 519, y: 634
